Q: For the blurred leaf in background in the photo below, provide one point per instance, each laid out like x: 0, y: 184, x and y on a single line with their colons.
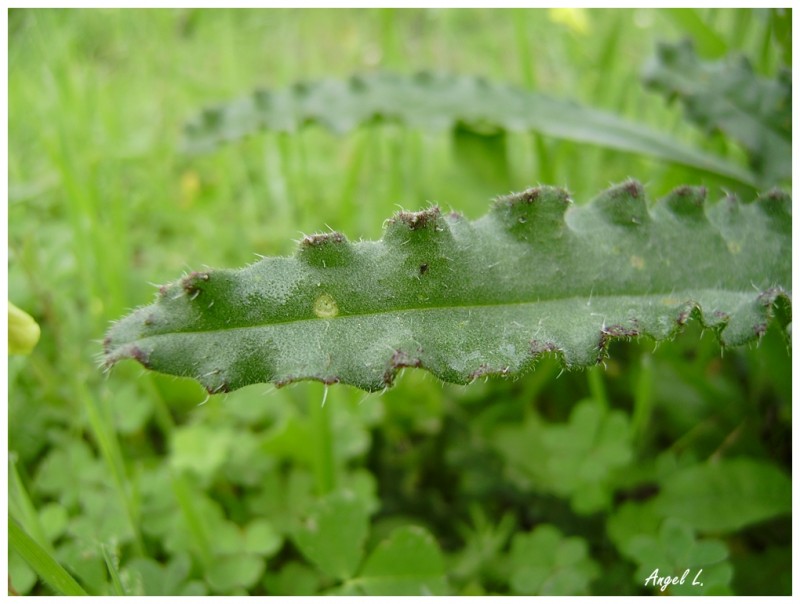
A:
x: 728, y: 96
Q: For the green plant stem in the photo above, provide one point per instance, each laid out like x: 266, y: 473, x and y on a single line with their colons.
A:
x: 596, y: 386
x: 196, y: 528
x: 642, y: 399
x: 521, y: 26
x: 112, y: 563
x: 324, y: 470
x: 21, y: 507
x: 765, y: 51
x: 349, y: 188
x: 163, y: 416
x: 536, y: 382
x: 709, y: 43
x: 291, y: 187
x: 390, y: 47
x: 110, y: 450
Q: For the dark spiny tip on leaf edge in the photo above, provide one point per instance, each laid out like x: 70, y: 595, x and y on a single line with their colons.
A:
x: 775, y: 202
x: 687, y: 201
x: 427, y: 224
x: 329, y: 380
x: 684, y: 316
x: 485, y: 370
x: 537, y: 347
x: 320, y: 239
x: 611, y: 333
x: 191, y: 282
x: 416, y: 221
x: 127, y: 352
x: 283, y: 382
x: 623, y: 204
x: 770, y: 296
x: 620, y: 331
x: 220, y: 388
x: 777, y: 207
x: 540, y: 210
x: 731, y: 202
x: 551, y: 196
x: 325, y: 250
x: 633, y: 188
x: 398, y: 361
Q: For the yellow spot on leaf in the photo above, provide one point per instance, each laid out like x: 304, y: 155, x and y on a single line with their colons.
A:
x: 734, y: 247
x: 325, y: 307
x: 637, y: 262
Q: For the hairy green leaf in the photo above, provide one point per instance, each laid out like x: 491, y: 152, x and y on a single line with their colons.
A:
x: 437, y: 101
x: 727, y: 95
x: 466, y: 299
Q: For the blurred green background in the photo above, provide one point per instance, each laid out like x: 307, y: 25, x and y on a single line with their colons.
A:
x: 135, y: 487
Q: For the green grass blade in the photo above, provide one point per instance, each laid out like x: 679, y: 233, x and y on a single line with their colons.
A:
x: 21, y: 506
x: 48, y: 569
x: 197, y: 529
x: 112, y: 564
x: 112, y: 454
x: 709, y: 42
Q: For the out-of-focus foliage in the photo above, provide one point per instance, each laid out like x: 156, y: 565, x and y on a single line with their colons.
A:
x: 23, y: 331
x: 728, y: 96
x: 434, y: 102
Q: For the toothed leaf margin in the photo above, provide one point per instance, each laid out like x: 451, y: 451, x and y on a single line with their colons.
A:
x: 465, y: 299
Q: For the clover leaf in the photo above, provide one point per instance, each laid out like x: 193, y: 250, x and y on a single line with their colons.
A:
x: 544, y: 562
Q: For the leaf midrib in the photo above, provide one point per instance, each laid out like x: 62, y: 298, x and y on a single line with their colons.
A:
x: 458, y: 307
